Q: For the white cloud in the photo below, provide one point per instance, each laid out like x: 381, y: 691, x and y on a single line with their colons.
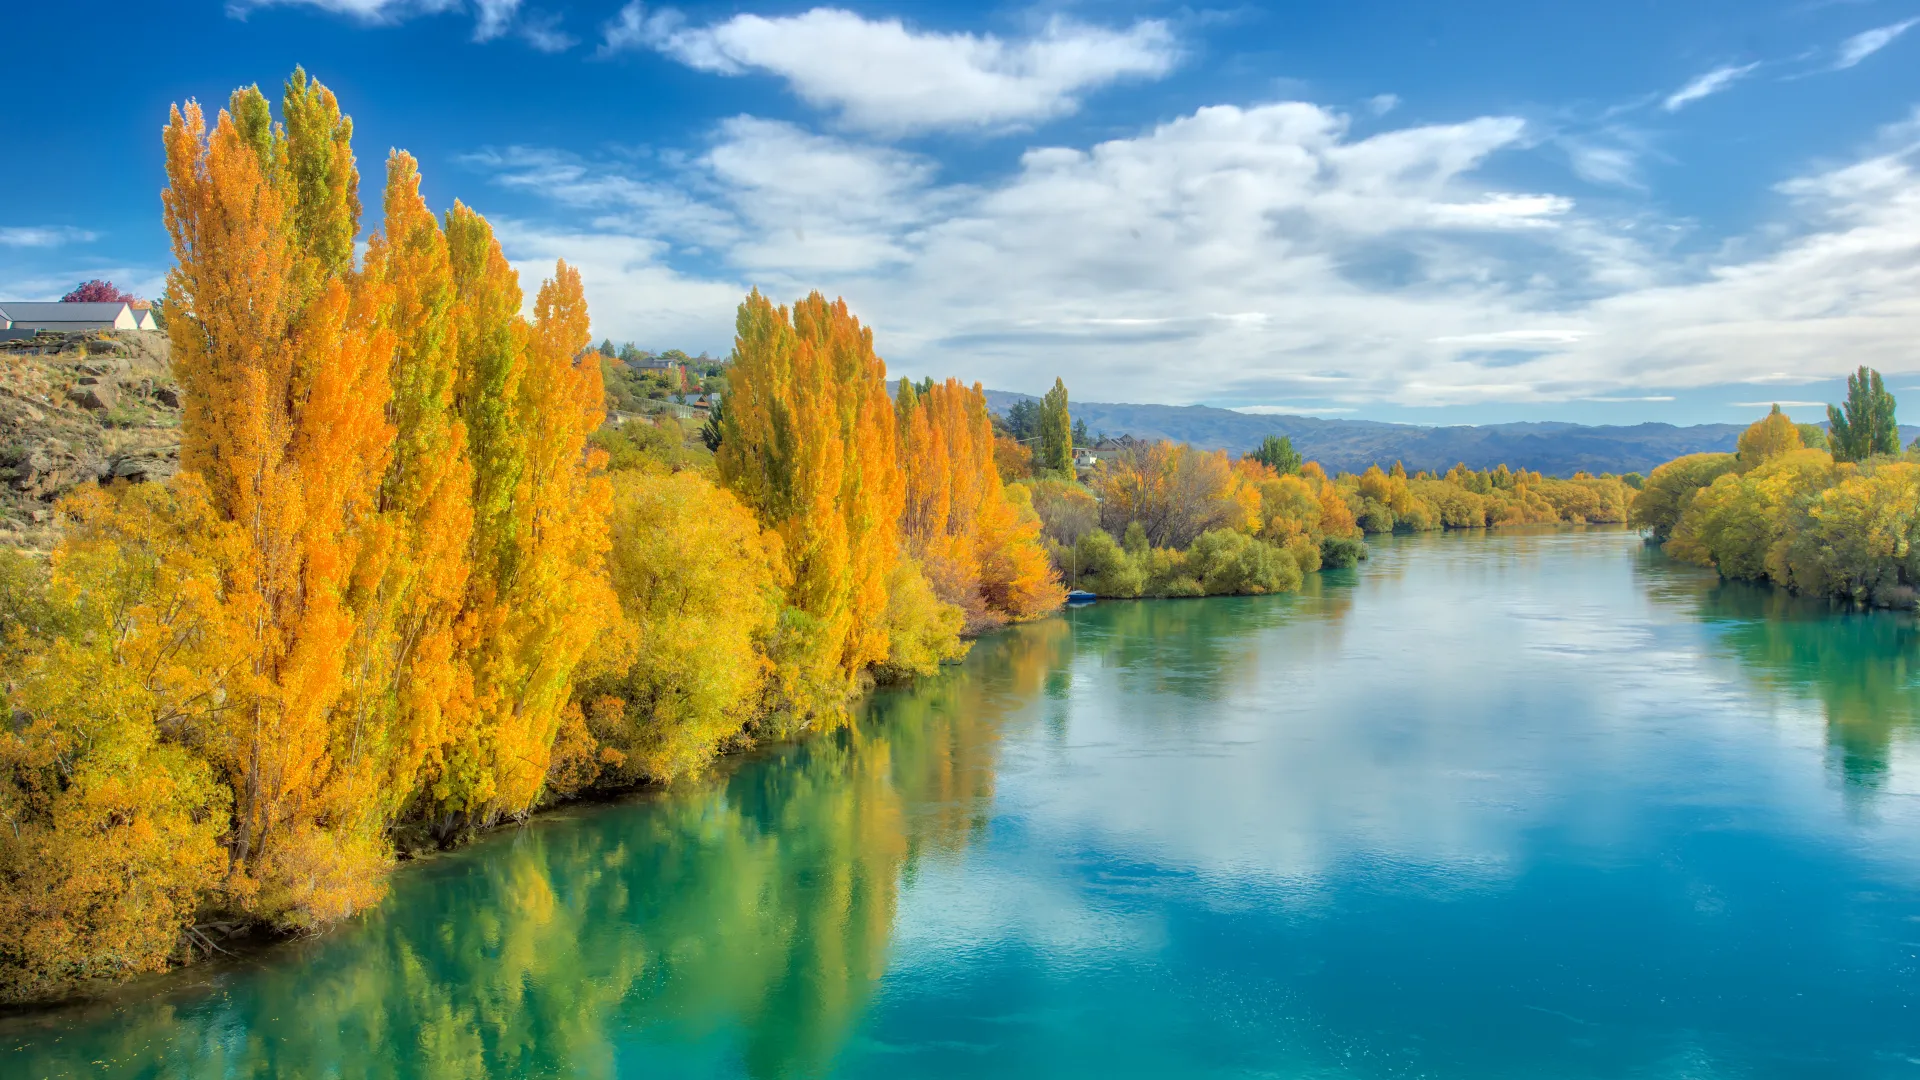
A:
x: 1382, y: 104
x: 368, y: 11
x: 905, y: 79
x: 51, y: 283
x: 633, y: 294
x: 1862, y: 45
x: 1712, y: 82
x: 1610, y: 158
x: 541, y: 29
x: 492, y: 19
x: 44, y: 236
x: 1783, y: 378
x: 1260, y: 255
x: 1515, y: 338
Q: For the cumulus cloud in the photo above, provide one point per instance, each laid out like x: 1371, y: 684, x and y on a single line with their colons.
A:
x: 1713, y: 82
x: 1862, y: 45
x: 631, y: 290
x: 1245, y: 256
x: 906, y: 79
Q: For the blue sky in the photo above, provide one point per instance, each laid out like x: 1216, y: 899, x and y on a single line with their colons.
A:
x: 1465, y: 213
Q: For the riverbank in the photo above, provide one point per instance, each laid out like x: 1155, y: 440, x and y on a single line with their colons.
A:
x: 1085, y: 849
x: 1796, y: 516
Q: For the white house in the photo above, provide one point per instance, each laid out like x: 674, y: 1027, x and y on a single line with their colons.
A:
x: 120, y: 315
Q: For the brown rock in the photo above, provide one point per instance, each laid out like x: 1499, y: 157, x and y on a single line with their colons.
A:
x: 140, y: 468
x: 97, y: 398
x: 168, y: 396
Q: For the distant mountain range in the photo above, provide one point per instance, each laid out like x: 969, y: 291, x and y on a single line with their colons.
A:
x: 1556, y: 449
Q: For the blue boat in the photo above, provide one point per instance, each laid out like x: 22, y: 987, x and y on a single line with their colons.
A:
x: 1077, y: 597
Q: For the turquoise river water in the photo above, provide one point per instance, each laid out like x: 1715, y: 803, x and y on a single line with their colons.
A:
x: 1529, y: 804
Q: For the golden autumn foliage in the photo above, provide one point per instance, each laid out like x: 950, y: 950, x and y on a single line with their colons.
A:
x: 1165, y: 519
x: 1781, y: 512
x: 809, y: 444
x: 113, y: 824
x: 698, y: 582
x: 1768, y: 437
x: 399, y: 591
x: 548, y: 598
x: 281, y: 360
x: 344, y: 610
x: 1383, y: 501
x: 977, y: 545
x: 1175, y: 493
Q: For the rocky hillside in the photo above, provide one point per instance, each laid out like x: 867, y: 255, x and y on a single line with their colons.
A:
x: 78, y: 409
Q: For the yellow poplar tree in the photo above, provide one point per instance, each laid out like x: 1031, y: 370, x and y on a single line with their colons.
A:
x: 981, y: 550
x: 276, y: 351
x: 407, y: 687
x: 808, y: 442
x: 539, y: 598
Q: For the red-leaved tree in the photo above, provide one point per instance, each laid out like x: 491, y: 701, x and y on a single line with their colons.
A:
x: 98, y: 292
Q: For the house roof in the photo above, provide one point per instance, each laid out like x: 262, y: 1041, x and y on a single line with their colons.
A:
x: 36, y: 311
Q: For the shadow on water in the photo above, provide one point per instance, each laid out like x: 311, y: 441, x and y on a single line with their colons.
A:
x: 1859, y: 666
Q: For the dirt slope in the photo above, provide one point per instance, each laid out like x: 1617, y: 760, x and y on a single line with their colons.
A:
x: 78, y: 409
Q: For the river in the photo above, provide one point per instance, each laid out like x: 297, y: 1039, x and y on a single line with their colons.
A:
x: 1522, y: 804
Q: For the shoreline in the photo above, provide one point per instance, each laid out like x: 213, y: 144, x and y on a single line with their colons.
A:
x: 252, y: 942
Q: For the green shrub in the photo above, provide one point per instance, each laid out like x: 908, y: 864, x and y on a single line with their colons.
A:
x: 1106, y: 568
x: 1228, y: 563
x: 1340, y: 553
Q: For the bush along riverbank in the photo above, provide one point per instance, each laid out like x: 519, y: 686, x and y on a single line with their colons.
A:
x: 1828, y: 512
x: 1165, y: 519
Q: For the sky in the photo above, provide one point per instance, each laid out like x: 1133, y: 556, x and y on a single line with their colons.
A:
x: 1475, y: 212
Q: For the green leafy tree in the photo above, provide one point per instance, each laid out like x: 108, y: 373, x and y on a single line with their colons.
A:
x: 1056, y: 431
x: 1865, y: 425
x: 1276, y: 452
x: 1023, y: 420
x: 710, y: 432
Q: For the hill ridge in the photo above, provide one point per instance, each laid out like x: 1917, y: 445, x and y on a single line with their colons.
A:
x: 1554, y: 447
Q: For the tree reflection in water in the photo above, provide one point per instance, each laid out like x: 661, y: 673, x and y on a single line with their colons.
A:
x: 739, y: 924
x: 1860, y: 666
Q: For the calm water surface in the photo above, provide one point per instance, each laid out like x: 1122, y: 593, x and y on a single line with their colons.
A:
x: 1520, y: 805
